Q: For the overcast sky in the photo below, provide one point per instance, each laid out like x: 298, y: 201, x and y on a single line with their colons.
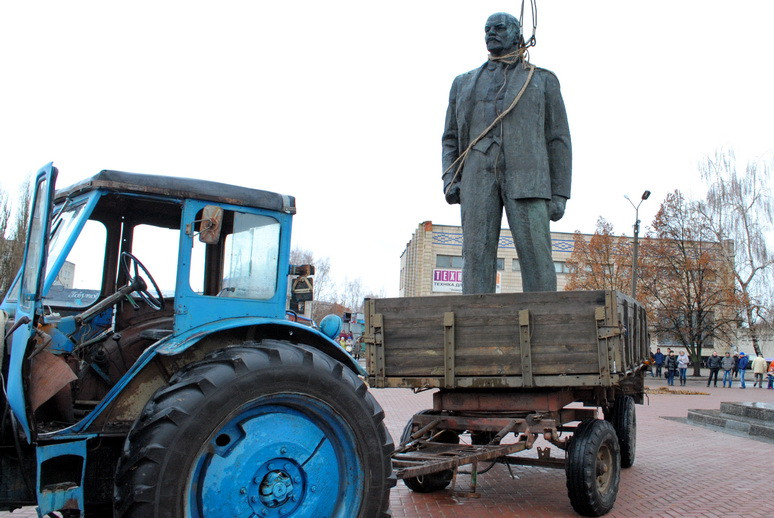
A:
x: 341, y: 104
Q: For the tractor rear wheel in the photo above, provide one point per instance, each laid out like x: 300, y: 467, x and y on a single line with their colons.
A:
x: 265, y: 429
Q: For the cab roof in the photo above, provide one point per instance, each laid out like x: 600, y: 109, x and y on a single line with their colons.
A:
x: 181, y: 188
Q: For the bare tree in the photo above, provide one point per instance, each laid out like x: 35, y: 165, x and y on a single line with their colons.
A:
x: 328, y: 297
x: 13, y: 233
x: 324, y: 287
x: 738, y: 211
x: 352, y: 295
x: 603, y: 262
x: 687, y: 286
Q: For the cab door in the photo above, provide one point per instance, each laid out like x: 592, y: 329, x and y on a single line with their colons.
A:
x: 29, y: 306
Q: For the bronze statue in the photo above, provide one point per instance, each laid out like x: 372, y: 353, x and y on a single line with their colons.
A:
x: 506, y: 145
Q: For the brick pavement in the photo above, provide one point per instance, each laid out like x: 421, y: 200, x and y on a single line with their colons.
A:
x: 680, y: 469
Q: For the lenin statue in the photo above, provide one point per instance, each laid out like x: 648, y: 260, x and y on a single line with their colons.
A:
x: 506, y: 145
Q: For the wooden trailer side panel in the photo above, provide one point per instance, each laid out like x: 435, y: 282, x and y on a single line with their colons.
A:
x: 517, y: 339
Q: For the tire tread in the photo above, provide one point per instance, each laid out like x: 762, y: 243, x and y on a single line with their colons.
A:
x: 137, y: 476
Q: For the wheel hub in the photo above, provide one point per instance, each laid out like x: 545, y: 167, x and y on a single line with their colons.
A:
x: 279, y: 485
x: 287, y: 457
x: 276, y: 488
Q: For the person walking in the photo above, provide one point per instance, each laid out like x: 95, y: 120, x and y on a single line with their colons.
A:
x: 659, y: 358
x: 771, y: 375
x: 735, y: 370
x: 671, y: 367
x: 759, y: 366
x: 743, y: 361
x: 727, y: 364
x: 682, y: 365
x: 713, y: 364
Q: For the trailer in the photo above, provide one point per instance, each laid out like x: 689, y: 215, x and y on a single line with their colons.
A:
x: 509, y: 368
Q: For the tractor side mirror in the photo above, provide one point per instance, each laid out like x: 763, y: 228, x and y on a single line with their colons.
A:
x: 210, y: 225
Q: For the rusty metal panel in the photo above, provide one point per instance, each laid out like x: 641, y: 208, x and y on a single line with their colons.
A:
x: 525, y: 335
x: 490, y: 382
x: 374, y: 345
x: 603, y: 345
x: 49, y: 374
x: 448, y: 349
x: 435, y: 457
x: 502, y: 401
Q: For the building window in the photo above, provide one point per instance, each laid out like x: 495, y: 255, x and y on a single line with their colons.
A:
x: 561, y: 267
x: 515, y: 265
x: 500, y: 264
x: 448, y: 261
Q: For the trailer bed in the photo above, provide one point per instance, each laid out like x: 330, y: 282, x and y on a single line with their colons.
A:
x: 513, y: 340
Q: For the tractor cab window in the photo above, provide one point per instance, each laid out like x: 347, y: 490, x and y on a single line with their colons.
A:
x: 156, y: 247
x: 251, y: 255
x: 242, y: 263
x: 78, y: 282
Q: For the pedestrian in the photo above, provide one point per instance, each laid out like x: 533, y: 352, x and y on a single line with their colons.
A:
x: 771, y: 375
x: 671, y: 367
x: 727, y: 363
x: 682, y: 365
x: 759, y: 366
x: 659, y: 359
x: 713, y: 364
x: 743, y: 361
x: 735, y: 370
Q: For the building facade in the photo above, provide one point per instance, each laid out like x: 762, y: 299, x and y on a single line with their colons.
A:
x: 431, y: 264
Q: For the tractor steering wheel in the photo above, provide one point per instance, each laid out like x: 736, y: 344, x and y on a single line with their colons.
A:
x: 140, y: 286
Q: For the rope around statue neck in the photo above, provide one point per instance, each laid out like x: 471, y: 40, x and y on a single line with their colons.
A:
x: 510, y: 59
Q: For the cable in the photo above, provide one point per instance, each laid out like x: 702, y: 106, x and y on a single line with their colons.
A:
x: 531, y: 42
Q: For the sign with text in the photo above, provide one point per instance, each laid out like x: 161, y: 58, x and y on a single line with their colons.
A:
x: 450, y: 281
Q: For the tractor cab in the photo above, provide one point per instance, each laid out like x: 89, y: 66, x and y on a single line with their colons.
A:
x: 150, y: 369
x: 120, y: 262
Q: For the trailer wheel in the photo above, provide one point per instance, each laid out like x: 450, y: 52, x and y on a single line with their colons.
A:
x: 625, y: 424
x: 593, y: 468
x: 267, y: 429
x: 432, y: 481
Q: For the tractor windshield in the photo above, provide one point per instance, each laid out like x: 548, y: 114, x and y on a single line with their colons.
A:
x: 76, y: 266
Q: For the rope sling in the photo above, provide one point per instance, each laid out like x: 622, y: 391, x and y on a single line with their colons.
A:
x: 510, y: 59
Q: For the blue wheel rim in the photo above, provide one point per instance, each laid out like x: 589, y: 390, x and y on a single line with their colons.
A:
x: 281, y: 455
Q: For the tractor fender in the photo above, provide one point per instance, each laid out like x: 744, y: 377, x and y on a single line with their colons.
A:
x: 263, y: 327
x: 151, y: 371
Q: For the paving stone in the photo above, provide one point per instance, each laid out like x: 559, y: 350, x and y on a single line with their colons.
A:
x: 677, y: 466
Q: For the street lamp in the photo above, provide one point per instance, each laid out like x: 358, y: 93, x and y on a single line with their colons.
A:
x: 645, y: 196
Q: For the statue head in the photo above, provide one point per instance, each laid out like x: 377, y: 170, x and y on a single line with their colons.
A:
x: 502, y: 34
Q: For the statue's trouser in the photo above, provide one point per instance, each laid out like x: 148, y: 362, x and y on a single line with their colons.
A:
x: 482, y: 194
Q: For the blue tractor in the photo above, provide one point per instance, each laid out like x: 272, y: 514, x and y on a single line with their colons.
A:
x: 176, y: 386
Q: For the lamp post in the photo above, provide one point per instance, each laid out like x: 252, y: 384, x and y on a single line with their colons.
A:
x: 645, y: 196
